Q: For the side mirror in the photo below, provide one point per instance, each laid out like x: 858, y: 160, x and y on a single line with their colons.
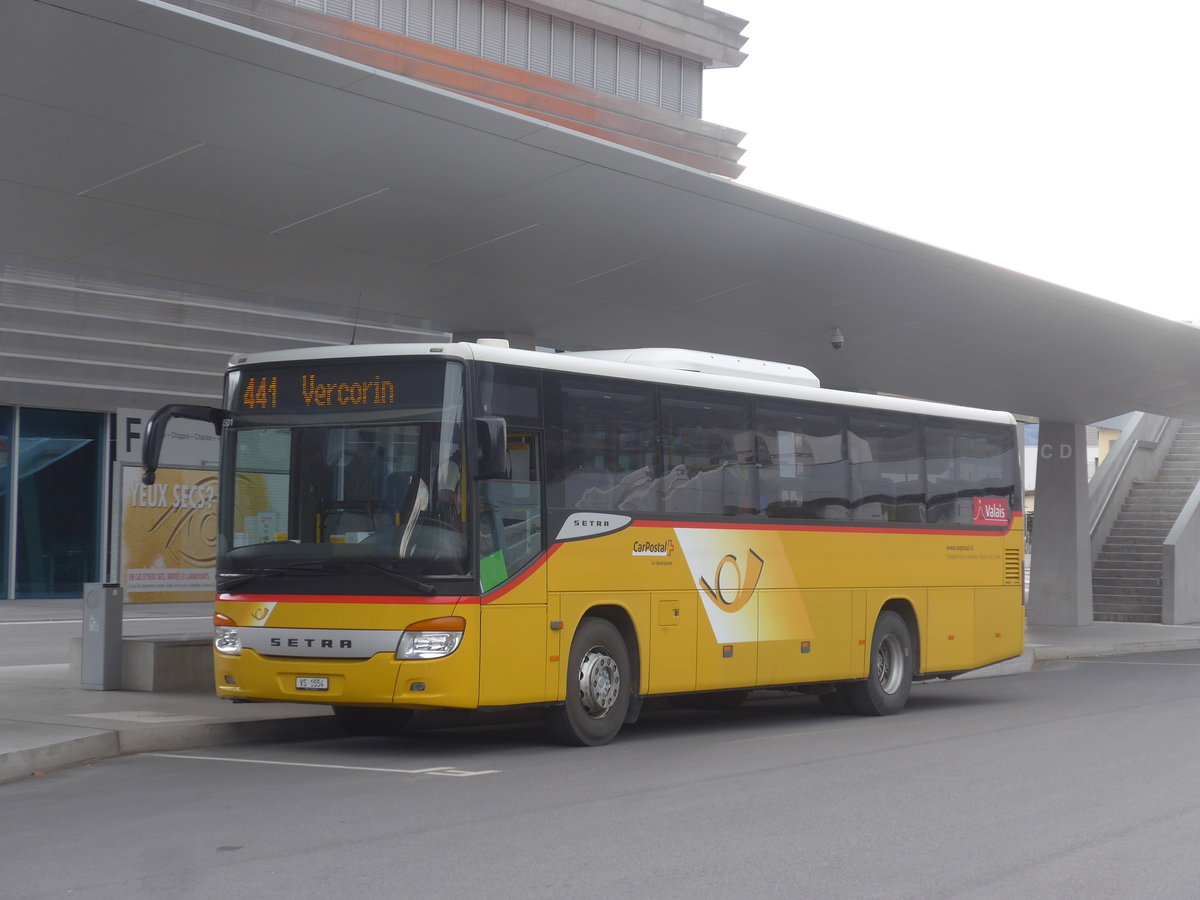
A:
x: 156, y: 430
x: 491, y: 441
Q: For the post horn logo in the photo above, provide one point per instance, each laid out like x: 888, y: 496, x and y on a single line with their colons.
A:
x: 745, y: 585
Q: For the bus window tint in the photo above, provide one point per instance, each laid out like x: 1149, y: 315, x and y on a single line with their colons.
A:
x: 806, y: 473
x: 710, y: 455
x: 967, y: 460
x: 887, y: 467
x: 511, y: 393
x: 607, y: 457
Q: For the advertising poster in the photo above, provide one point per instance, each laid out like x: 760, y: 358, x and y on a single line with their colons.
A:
x: 169, y: 536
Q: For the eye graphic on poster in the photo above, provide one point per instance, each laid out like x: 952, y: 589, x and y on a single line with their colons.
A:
x: 169, y: 536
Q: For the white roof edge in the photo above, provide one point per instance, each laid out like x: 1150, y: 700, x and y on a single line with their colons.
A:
x: 709, y: 363
x: 612, y: 364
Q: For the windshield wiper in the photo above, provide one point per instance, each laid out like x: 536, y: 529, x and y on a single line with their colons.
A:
x: 421, y: 587
x: 230, y: 580
x: 227, y: 580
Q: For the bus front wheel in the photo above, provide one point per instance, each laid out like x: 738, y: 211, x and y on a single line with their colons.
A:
x: 598, y: 687
x: 889, y: 678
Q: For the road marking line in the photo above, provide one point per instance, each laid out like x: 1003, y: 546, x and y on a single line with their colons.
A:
x: 433, y: 770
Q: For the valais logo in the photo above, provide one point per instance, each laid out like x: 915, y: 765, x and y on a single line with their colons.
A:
x: 741, y: 584
x: 990, y: 510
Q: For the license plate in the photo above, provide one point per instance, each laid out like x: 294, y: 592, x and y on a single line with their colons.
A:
x: 311, y: 683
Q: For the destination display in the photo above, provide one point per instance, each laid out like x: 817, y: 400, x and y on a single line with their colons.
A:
x: 357, y: 387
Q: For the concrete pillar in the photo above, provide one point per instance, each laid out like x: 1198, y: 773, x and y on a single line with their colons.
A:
x: 1060, y: 584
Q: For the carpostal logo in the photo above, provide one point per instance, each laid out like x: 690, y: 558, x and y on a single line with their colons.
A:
x: 741, y: 584
x: 654, y: 548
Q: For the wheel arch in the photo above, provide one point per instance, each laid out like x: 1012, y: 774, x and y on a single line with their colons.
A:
x: 623, y: 622
x: 903, y: 607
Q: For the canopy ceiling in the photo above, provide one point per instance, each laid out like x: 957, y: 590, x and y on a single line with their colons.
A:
x: 141, y: 138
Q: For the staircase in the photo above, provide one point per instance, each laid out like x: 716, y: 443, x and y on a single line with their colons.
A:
x: 1127, y: 576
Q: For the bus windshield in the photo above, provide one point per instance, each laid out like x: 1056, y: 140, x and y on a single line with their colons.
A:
x: 369, y: 493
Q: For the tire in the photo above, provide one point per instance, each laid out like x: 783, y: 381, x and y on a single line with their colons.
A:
x: 598, y: 687
x: 889, y: 679
x: 368, y: 720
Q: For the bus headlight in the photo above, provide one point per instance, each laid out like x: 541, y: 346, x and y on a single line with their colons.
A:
x: 431, y: 638
x: 226, y: 638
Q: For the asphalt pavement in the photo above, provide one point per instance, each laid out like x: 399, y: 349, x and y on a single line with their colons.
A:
x: 49, y: 721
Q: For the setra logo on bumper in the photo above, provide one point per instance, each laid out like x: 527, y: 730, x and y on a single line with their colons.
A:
x: 310, y: 643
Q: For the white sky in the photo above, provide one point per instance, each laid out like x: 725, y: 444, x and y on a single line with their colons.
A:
x: 1059, y: 138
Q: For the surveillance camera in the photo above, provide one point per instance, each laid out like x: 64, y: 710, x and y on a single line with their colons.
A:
x: 837, y: 340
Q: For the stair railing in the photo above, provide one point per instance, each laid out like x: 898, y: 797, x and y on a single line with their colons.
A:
x: 1181, y: 566
x: 1136, y: 455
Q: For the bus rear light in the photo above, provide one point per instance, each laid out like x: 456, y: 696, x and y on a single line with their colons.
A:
x: 226, y: 638
x: 431, y: 638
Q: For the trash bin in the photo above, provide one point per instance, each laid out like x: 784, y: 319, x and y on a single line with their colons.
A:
x: 100, y: 651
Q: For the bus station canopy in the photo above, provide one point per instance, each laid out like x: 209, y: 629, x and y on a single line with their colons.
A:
x: 144, y: 138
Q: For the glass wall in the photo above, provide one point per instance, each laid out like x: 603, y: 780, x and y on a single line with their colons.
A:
x: 59, y: 464
x: 5, y: 494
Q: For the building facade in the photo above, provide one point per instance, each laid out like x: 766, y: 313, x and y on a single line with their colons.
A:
x: 82, y: 343
x: 626, y: 71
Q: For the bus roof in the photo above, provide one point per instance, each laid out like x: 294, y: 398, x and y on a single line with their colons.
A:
x: 673, y: 366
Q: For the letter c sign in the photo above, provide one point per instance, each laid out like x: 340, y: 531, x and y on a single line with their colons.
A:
x: 1065, y: 451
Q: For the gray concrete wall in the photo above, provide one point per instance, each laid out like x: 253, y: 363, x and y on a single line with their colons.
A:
x: 1060, y: 582
x: 1181, y: 566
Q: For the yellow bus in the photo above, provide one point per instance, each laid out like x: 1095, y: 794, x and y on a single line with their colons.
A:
x: 469, y: 526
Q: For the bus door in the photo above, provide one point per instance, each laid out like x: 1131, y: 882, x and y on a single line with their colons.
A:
x: 514, y: 623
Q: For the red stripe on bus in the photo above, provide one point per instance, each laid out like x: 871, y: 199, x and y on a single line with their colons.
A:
x: 511, y: 585
x: 840, y: 529
x: 420, y: 600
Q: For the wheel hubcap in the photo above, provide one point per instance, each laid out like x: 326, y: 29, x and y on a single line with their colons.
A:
x: 599, y: 682
x: 889, y: 664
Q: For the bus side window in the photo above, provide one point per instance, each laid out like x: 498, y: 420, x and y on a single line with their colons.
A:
x: 604, y: 453
x: 966, y: 461
x: 807, y: 474
x: 887, y: 467
x: 710, y: 455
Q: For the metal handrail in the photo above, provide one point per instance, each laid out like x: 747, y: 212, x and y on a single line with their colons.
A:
x: 1119, y: 478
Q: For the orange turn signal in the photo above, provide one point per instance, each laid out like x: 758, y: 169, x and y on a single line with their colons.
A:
x: 441, y: 623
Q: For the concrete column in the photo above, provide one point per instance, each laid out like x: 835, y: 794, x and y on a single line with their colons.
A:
x: 1060, y: 584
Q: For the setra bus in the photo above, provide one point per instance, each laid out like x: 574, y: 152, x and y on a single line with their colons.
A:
x: 468, y: 526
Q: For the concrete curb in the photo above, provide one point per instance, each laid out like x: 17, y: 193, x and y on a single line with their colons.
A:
x: 88, y: 744
x: 1107, y: 648
x: 91, y: 745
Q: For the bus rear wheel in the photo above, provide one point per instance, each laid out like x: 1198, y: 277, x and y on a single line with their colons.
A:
x: 889, y: 679
x: 598, y: 687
